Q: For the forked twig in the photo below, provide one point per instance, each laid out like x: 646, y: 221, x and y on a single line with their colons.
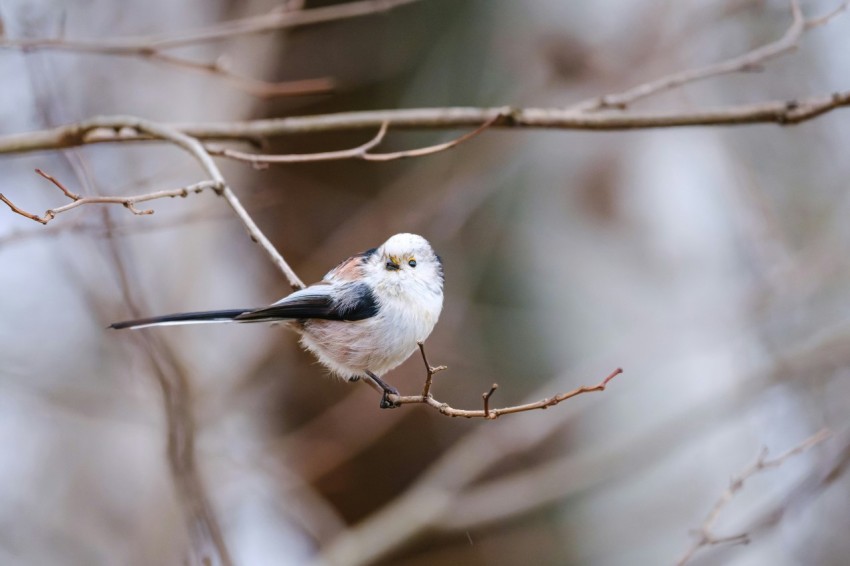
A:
x: 749, y: 61
x: 486, y: 396
x: 261, y: 160
x: 132, y: 126
x: 430, y: 371
x: 488, y: 413
x: 704, y: 534
x: 360, y: 152
x: 127, y: 202
x: 429, y: 150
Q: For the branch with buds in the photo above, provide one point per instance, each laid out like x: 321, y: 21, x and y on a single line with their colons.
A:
x: 486, y: 413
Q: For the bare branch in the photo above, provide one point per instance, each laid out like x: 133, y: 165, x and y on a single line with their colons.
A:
x: 743, y: 63
x: 128, y: 202
x: 705, y: 535
x: 154, y: 47
x: 487, y: 413
x: 93, y: 130
x: 275, y: 20
x: 359, y: 152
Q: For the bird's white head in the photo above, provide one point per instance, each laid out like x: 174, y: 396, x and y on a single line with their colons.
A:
x: 407, y: 262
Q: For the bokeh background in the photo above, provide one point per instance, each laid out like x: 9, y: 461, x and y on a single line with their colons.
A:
x: 709, y: 263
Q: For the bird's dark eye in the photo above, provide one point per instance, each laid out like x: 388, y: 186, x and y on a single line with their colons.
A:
x: 412, y: 263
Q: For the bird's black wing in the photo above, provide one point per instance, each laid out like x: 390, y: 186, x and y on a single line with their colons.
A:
x: 350, y: 302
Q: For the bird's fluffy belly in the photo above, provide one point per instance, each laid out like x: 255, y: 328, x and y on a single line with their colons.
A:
x: 377, y: 344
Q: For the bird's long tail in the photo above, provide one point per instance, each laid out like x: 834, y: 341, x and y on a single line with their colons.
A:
x: 182, y: 318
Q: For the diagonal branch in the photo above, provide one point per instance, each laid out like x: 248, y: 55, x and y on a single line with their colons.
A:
x: 196, y: 149
x: 129, y: 125
x: 252, y: 86
x: 749, y: 61
x: 705, y: 534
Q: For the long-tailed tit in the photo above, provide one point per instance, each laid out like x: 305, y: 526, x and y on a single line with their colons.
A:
x: 365, y: 317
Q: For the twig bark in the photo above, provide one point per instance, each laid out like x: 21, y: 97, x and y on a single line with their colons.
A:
x: 705, y: 535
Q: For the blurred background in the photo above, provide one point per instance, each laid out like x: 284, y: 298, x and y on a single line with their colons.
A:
x: 709, y: 263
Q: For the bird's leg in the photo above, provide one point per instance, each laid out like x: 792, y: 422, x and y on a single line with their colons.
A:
x: 353, y: 378
x: 388, y: 390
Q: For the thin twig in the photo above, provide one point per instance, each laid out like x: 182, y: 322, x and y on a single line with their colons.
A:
x: 486, y: 396
x: 362, y: 151
x: 69, y: 194
x: 430, y: 150
x: 430, y: 371
x: 816, y: 22
x: 252, y: 86
x: 274, y: 20
x: 789, y: 41
x: 705, y: 536
x: 127, y: 202
x: 262, y: 160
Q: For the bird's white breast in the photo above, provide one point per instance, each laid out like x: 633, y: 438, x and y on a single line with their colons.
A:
x: 407, y: 314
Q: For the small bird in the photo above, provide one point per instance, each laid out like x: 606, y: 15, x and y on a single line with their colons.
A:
x: 365, y: 317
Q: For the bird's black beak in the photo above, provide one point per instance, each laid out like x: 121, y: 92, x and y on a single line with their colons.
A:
x: 392, y: 265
